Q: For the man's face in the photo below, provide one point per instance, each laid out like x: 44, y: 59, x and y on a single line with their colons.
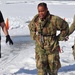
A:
x: 42, y: 11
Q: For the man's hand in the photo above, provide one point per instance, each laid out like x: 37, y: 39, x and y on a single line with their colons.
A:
x: 66, y: 38
x: 8, y: 39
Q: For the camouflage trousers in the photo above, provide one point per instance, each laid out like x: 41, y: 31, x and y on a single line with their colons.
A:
x: 47, y: 63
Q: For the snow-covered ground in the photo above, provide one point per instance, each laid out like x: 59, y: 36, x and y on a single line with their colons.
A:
x: 19, y: 59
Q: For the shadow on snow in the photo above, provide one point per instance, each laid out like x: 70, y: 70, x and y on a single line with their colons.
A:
x: 67, y: 68
x: 22, y: 70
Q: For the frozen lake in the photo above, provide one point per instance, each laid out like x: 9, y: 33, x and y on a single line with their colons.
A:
x: 20, y: 43
x: 11, y: 52
x: 19, y: 59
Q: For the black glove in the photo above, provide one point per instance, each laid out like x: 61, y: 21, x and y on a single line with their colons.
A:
x: 8, y: 39
x: 73, y: 47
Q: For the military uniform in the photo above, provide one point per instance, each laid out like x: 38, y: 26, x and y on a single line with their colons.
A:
x: 71, y: 30
x: 47, y: 43
x: 72, y: 27
x: 1, y: 20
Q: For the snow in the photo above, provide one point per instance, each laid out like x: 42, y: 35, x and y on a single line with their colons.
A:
x: 19, y: 59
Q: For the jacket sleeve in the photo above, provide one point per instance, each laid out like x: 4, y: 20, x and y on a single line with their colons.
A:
x: 63, y: 27
x: 72, y: 27
x: 32, y: 29
x: 1, y: 17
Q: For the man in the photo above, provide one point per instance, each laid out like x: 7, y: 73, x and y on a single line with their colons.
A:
x: 2, y: 24
x: 43, y: 28
x: 72, y: 27
x: 71, y: 30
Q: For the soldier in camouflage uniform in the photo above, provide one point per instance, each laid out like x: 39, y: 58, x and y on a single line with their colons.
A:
x: 72, y: 27
x: 43, y: 29
x: 2, y: 24
x: 71, y: 30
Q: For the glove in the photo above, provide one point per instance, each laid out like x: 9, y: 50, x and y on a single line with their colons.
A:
x: 66, y: 38
x: 8, y: 39
x: 73, y: 47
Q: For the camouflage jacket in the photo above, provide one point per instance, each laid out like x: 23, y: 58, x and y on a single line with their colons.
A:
x: 47, y: 30
x: 72, y: 27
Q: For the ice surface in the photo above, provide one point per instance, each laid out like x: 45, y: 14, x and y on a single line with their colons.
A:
x: 19, y: 59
